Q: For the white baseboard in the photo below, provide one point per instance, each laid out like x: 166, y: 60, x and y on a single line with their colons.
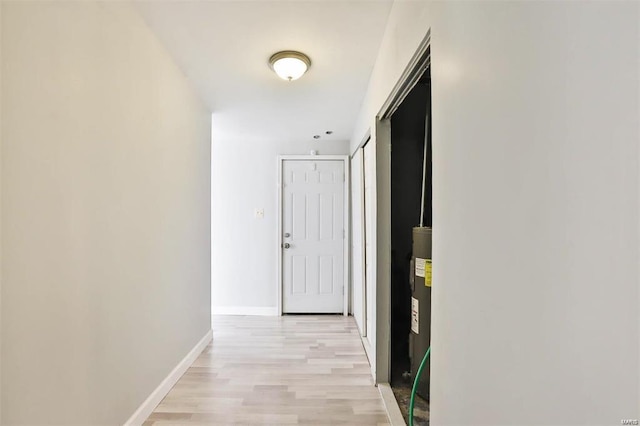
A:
x: 370, y: 355
x: 245, y: 310
x: 150, y: 404
x: 391, y: 405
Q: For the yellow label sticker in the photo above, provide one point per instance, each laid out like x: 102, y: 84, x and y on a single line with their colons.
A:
x: 427, y: 273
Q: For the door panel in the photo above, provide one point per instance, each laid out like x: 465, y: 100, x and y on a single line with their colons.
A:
x: 313, y: 215
x: 299, y: 274
x: 357, y: 243
x: 369, y: 213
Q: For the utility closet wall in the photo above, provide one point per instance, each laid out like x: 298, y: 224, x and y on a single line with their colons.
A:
x: 105, y: 213
x: 535, y: 206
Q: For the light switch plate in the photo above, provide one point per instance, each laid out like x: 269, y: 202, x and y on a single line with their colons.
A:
x: 258, y: 213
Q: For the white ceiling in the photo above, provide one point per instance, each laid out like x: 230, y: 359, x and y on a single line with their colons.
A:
x: 224, y: 46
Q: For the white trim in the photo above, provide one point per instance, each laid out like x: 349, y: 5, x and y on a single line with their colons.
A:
x: 391, y: 405
x: 363, y: 142
x: 367, y: 350
x: 279, y: 236
x: 416, y: 67
x: 270, y: 311
x: 347, y: 233
x: 144, y: 411
x: 359, y: 222
x: 311, y: 157
x: 347, y: 228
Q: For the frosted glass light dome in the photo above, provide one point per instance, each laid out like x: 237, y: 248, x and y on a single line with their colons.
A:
x: 289, y: 65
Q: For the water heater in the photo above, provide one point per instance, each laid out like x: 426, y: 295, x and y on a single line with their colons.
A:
x: 420, y: 280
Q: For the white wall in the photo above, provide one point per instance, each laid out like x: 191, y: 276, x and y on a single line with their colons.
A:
x: 536, y: 133
x: 105, y: 213
x: 536, y: 206
x: 244, y: 254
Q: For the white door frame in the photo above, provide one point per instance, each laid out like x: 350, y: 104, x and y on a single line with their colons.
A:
x: 347, y: 215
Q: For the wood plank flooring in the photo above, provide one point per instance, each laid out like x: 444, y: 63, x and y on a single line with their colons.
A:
x: 291, y: 370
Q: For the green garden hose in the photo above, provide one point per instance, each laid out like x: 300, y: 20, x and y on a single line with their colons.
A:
x: 415, y: 385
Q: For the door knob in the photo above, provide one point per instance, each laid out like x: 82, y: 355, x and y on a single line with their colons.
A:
x: 286, y: 245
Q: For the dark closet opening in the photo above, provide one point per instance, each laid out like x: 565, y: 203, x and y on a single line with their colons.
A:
x: 408, y: 125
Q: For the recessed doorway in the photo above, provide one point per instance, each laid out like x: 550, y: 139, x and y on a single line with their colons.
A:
x: 411, y: 200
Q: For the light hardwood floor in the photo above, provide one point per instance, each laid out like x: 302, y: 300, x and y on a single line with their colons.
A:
x: 289, y: 370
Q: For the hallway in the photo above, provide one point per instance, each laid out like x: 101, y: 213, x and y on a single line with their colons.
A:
x: 276, y: 371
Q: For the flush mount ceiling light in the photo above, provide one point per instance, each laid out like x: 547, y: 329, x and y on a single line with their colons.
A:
x: 289, y: 65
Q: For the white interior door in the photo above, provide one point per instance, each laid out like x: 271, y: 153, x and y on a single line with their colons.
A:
x: 369, y: 234
x: 357, y: 241
x: 313, y: 236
